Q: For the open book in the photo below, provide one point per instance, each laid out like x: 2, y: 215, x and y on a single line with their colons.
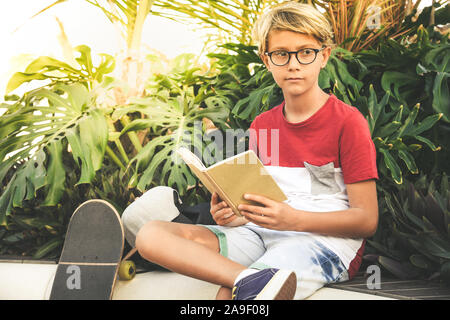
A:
x: 233, y: 177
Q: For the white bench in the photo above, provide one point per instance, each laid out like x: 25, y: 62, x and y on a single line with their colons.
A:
x: 33, y: 281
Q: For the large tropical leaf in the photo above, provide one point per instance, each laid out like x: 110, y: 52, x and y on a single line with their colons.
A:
x: 438, y: 61
x: 31, y: 156
x: 44, y: 68
x: 336, y: 77
x: 181, y: 121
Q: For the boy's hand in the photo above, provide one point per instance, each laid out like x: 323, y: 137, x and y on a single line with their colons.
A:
x: 220, y: 211
x: 274, y: 215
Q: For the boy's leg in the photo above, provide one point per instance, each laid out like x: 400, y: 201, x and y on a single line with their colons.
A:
x: 314, y: 264
x: 191, y: 250
x: 209, y: 254
x: 224, y: 293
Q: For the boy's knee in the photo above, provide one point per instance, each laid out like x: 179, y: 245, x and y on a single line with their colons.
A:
x: 147, y: 237
x: 156, y: 204
x: 144, y: 234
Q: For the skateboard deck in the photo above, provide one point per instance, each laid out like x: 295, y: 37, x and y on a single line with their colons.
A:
x: 91, y: 255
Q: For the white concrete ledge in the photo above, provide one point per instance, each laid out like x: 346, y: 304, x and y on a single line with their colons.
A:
x: 33, y: 281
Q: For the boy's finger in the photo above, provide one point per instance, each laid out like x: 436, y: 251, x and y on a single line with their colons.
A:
x: 221, y: 205
x: 254, y: 209
x: 227, y: 218
x: 228, y: 214
x: 257, y: 219
x: 261, y: 199
x: 215, y: 208
x: 215, y: 199
x: 222, y: 214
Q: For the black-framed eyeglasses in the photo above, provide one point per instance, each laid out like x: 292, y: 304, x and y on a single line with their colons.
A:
x: 304, y: 56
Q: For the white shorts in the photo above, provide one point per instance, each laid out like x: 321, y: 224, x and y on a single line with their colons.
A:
x: 259, y: 248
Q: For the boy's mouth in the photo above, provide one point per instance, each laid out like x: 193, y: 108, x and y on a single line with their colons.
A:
x: 294, y: 79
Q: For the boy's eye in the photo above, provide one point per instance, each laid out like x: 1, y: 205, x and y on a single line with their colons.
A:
x: 281, y: 53
x: 306, y: 52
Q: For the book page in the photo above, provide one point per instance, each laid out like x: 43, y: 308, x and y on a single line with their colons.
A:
x: 197, y: 167
x: 190, y: 158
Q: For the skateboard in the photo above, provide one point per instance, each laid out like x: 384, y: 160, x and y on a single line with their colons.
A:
x: 91, y: 256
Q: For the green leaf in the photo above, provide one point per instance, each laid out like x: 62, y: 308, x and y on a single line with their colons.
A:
x: 14, y: 238
x: 47, y: 248
x: 85, y: 59
x: 420, y: 261
x: 435, y: 213
x: 139, y: 124
x: 425, y: 125
x: 392, y: 165
x: 44, y: 68
x: 56, y: 174
x: 414, y: 219
x: 437, y: 247
x: 106, y: 66
x: 94, y: 136
x: 428, y: 143
x: 156, y: 163
x: 88, y: 143
x: 409, y: 161
x: 19, y: 78
x: 6, y: 200
x: 324, y: 79
x: 414, y: 147
x: 398, y: 115
x: 399, y: 269
x: 34, y: 222
x: 14, y: 120
x: 81, y: 155
x: 43, y: 64
x: 387, y: 129
x: 29, y: 179
x: 445, y: 272
x: 441, y: 95
x: 398, y: 80
x: 409, y: 122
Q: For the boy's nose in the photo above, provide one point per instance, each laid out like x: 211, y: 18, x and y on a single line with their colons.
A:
x: 293, y: 63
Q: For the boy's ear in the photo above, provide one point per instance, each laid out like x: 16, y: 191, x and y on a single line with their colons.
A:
x: 265, y: 60
x: 326, y: 55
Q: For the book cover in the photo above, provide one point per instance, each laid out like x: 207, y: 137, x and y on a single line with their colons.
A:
x: 233, y: 177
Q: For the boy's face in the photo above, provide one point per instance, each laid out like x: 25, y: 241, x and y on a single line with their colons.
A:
x: 295, y: 78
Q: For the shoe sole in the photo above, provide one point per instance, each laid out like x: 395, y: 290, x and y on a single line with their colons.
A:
x: 282, y: 286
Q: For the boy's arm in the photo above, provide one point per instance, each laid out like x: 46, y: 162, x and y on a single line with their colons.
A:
x: 359, y: 221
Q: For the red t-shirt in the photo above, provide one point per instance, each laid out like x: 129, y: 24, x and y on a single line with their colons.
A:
x: 313, y: 160
x: 336, y: 133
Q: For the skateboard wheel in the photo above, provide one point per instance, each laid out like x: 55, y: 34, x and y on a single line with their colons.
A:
x: 127, y: 270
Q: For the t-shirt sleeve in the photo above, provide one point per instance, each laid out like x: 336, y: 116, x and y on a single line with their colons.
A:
x: 357, y: 154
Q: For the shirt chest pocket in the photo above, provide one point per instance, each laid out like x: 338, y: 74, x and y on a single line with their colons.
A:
x: 323, y: 180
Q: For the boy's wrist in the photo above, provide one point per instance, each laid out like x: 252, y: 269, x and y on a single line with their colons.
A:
x: 299, y: 221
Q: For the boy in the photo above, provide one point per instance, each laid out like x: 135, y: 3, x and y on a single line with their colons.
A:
x: 324, y: 160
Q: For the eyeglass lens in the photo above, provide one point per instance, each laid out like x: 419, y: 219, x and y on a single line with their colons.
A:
x: 304, y: 56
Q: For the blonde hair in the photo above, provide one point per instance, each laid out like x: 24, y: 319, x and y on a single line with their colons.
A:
x: 292, y: 16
